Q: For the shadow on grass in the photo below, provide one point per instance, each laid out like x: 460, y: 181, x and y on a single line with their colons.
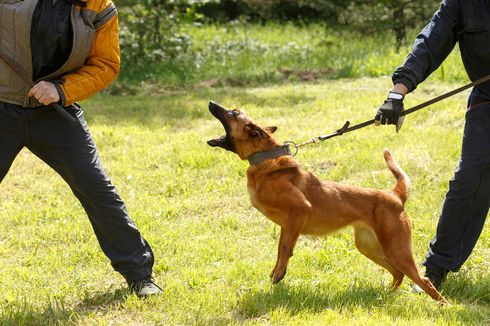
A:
x: 155, y: 111
x: 178, y: 108
x: 314, y: 300
x: 307, y: 299
x: 55, y: 312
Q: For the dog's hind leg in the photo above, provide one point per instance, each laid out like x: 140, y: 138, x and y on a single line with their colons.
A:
x: 405, y: 263
x: 367, y: 243
x: 397, y: 246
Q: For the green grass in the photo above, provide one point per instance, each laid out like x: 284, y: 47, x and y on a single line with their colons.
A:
x: 213, y: 250
x: 240, y: 54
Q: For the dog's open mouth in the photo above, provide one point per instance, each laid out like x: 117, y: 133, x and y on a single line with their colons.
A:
x: 215, y: 142
x: 219, y: 113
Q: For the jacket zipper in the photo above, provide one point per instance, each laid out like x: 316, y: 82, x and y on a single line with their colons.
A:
x: 55, y: 73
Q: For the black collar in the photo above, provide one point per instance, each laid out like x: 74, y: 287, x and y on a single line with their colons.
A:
x: 267, y: 155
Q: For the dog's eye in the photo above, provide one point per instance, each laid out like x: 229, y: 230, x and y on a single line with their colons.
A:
x: 234, y: 113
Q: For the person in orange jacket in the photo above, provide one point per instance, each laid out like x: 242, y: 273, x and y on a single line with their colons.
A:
x: 70, y: 50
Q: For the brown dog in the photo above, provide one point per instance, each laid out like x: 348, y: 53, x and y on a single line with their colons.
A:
x: 302, y: 204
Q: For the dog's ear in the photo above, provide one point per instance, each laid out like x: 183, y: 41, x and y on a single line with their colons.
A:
x: 271, y: 130
x: 255, y: 131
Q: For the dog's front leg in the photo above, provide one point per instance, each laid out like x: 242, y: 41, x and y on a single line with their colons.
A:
x: 289, y: 235
x: 278, y: 253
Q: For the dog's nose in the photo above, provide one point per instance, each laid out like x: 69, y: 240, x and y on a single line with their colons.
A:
x: 212, y: 104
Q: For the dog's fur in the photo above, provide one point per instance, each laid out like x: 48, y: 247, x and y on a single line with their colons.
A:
x: 302, y: 204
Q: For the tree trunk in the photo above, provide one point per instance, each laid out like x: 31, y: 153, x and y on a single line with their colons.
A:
x: 157, y: 37
x: 231, y: 8
x: 399, y: 26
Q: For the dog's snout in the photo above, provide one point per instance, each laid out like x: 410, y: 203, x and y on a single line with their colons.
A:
x: 215, y: 106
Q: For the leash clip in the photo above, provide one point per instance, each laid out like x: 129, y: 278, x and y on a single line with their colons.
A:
x: 290, y: 144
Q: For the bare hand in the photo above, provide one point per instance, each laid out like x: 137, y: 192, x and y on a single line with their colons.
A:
x: 45, y: 92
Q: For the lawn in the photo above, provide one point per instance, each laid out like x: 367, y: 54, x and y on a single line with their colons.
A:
x: 213, y: 250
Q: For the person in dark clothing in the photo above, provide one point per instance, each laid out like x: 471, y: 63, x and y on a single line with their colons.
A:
x: 467, y: 201
x: 70, y: 49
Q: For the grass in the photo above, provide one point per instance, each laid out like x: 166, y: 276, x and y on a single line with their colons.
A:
x: 213, y: 250
x: 240, y: 54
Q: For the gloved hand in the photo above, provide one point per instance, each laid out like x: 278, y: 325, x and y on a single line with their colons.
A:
x: 389, y: 112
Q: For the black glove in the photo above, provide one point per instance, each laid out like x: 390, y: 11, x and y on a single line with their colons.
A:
x: 389, y: 112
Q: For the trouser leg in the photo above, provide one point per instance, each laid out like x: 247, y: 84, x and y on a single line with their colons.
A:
x: 12, y: 135
x: 467, y: 202
x: 71, y: 151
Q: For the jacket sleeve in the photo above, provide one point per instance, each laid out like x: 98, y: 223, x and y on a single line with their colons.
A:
x: 431, y: 46
x: 102, y: 64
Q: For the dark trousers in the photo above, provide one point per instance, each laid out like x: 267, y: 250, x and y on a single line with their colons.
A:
x: 466, y: 205
x: 71, y: 152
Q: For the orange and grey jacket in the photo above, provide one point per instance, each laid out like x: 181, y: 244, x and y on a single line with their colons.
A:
x: 91, y: 65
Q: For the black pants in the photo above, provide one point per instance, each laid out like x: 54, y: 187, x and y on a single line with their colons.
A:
x: 71, y: 152
x: 467, y: 202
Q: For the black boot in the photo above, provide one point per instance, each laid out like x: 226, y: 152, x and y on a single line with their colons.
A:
x: 145, y: 287
x: 436, y: 277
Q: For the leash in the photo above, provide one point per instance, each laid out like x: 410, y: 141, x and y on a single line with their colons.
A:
x: 345, y: 128
x: 23, y: 75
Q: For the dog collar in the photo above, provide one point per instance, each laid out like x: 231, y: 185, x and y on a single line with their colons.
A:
x: 267, y: 155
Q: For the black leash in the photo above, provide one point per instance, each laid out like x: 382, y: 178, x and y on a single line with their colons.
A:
x: 345, y: 128
x: 23, y: 75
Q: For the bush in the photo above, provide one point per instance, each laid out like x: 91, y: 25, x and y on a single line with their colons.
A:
x: 150, y: 33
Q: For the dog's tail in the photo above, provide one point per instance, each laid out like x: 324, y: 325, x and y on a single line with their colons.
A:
x: 403, y: 181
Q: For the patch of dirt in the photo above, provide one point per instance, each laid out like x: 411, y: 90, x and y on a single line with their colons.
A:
x: 306, y: 75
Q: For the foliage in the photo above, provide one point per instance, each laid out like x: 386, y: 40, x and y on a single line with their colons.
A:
x: 150, y: 33
x: 284, y: 10
x: 395, y: 15
x: 373, y: 15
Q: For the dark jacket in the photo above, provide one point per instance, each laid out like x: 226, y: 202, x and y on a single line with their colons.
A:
x: 464, y: 21
x: 51, y: 36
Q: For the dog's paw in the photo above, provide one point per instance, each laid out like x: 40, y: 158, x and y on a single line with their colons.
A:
x: 277, y: 277
x: 271, y: 275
